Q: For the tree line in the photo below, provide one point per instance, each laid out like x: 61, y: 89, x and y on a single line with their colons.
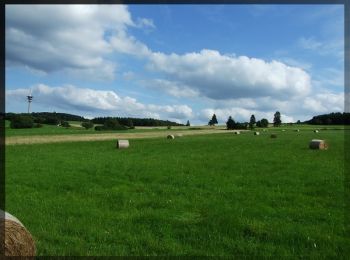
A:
x: 24, y: 120
x: 232, y: 124
x: 330, y: 119
x: 129, y: 121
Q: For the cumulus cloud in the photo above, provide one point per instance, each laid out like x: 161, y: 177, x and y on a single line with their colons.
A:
x: 240, y: 115
x: 220, y: 76
x: 101, y: 101
x: 324, y: 102
x: 76, y: 38
x: 291, y: 110
x: 173, y: 88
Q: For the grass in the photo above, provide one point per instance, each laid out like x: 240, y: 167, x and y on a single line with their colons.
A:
x: 200, y: 195
x: 74, y: 129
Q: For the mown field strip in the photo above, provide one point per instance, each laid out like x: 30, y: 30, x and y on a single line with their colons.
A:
x: 13, y: 140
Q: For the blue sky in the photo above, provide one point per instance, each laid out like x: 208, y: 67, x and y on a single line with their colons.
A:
x: 176, y: 62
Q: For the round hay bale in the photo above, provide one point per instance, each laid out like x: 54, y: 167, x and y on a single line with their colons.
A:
x: 237, y: 132
x: 297, y: 130
x: 256, y: 133
x: 170, y: 137
x: 17, y: 240
x: 273, y: 136
x: 316, y: 131
x: 122, y: 144
x: 318, y: 144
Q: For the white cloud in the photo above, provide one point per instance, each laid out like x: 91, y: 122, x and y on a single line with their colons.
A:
x: 173, y: 88
x: 240, y: 115
x: 72, y: 38
x: 101, y: 101
x: 145, y: 23
x: 324, y: 102
x: 334, y: 47
x: 241, y: 109
x: 220, y: 76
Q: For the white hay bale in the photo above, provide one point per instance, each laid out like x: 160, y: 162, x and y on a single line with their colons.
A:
x: 256, y: 133
x: 297, y: 130
x: 237, y: 132
x: 122, y: 144
x: 316, y: 131
x: 17, y: 240
x: 170, y: 137
x: 318, y: 144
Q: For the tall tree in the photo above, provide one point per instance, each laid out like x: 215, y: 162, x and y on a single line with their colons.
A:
x: 230, y: 124
x: 188, y: 123
x: 252, y: 122
x: 213, y: 120
x: 277, y: 119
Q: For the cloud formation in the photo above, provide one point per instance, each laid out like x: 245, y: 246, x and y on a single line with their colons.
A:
x: 101, y: 101
x: 53, y: 38
x: 219, y: 76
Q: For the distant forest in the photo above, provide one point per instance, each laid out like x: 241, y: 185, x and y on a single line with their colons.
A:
x: 136, y: 121
x: 54, y: 118
x: 330, y: 119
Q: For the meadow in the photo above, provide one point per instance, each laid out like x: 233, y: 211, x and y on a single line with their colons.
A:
x: 218, y: 194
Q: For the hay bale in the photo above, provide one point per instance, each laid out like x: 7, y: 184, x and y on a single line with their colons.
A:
x: 237, y: 132
x: 297, y: 130
x: 283, y: 130
x: 273, y: 136
x: 318, y: 144
x: 122, y: 144
x: 256, y: 133
x: 17, y: 240
x: 316, y: 131
x: 170, y: 137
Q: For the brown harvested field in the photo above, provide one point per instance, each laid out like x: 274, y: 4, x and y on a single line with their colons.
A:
x: 13, y: 140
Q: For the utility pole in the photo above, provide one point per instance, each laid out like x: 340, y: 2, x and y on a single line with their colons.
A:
x: 29, y: 98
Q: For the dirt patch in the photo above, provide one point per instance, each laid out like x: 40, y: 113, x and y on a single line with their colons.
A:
x: 13, y: 140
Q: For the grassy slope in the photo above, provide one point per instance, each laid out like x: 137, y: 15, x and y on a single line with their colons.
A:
x: 202, y: 195
x: 57, y: 130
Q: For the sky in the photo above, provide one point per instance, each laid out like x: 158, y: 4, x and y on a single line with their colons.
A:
x: 176, y: 62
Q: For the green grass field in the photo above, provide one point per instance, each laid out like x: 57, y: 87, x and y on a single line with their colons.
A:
x: 219, y: 194
x: 74, y: 129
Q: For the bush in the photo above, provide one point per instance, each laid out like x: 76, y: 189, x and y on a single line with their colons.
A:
x: 87, y: 125
x: 130, y: 124
x: 99, y: 128
x: 37, y: 125
x: 113, y: 124
x: 65, y: 124
x: 50, y: 120
x: 39, y: 120
x: 21, y: 121
x: 169, y: 127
